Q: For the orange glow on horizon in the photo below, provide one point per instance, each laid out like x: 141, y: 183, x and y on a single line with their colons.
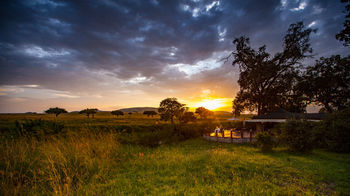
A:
x: 213, y: 103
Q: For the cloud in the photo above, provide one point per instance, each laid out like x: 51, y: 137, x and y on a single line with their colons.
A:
x: 95, y: 49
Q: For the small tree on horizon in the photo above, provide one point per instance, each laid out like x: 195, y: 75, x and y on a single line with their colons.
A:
x: 150, y: 113
x: 57, y: 111
x: 170, y: 108
x: 117, y: 113
x: 89, y: 112
x: 204, y: 113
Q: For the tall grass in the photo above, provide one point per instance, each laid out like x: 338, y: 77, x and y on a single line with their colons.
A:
x: 58, y: 164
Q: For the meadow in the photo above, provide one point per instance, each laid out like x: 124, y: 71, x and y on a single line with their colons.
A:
x: 105, y: 155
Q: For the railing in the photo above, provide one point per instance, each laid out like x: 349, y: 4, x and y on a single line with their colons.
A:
x: 231, y: 139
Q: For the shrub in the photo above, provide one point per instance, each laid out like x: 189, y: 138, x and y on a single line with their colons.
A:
x: 265, y: 141
x: 297, y: 135
x: 336, y: 131
x: 36, y: 128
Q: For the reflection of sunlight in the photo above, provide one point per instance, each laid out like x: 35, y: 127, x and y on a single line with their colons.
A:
x: 211, y: 104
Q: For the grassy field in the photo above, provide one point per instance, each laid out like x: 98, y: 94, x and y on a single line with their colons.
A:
x: 84, y: 161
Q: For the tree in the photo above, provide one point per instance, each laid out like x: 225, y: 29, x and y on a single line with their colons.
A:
x: 117, y: 113
x: 269, y: 82
x: 344, y: 35
x: 150, y: 113
x: 327, y: 83
x: 57, y: 111
x: 89, y: 112
x: 188, y: 117
x: 203, y: 112
x: 170, y: 108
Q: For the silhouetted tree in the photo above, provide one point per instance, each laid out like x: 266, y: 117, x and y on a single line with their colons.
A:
x: 204, y: 113
x: 170, y: 108
x: 327, y: 83
x: 117, y: 113
x: 150, y: 113
x: 89, y: 112
x: 267, y: 82
x: 344, y: 35
x: 188, y: 117
x: 57, y: 111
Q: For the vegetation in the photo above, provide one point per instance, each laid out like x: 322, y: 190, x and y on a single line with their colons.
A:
x: 344, y: 34
x: 335, y: 130
x: 150, y: 113
x: 265, y: 141
x: 117, y: 113
x: 204, y: 113
x: 57, y: 111
x: 327, y: 83
x: 89, y: 112
x: 170, y: 108
x: 188, y: 117
x: 297, y: 135
x: 266, y: 82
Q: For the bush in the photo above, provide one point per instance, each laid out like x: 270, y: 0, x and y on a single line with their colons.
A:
x: 265, y: 141
x: 36, y: 128
x: 336, y: 131
x: 297, y: 135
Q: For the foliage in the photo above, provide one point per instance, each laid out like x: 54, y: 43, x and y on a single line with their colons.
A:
x: 344, y: 34
x: 117, y: 113
x: 265, y: 141
x: 89, y: 112
x: 150, y: 113
x: 170, y: 108
x: 328, y: 83
x: 336, y: 131
x: 35, y: 128
x: 297, y: 135
x: 57, y: 111
x: 62, y: 165
x: 266, y: 82
x: 204, y: 113
x: 188, y: 117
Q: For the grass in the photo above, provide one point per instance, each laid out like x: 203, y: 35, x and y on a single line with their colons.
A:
x: 94, y: 162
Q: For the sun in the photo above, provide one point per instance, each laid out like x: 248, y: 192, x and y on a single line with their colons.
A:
x: 211, y: 104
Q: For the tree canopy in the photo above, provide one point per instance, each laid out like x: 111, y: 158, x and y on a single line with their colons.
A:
x: 170, y: 108
x: 117, y: 113
x: 57, y: 111
x: 327, y: 83
x: 150, y: 113
x: 188, y: 117
x: 344, y: 34
x: 268, y: 82
x: 89, y: 112
x: 204, y: 113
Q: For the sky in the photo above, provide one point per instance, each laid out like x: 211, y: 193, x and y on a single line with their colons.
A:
x: 110, y: 54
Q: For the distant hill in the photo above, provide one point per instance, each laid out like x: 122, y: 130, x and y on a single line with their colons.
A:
x: 139, y: 109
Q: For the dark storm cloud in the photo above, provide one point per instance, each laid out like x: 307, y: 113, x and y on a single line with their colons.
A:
x: 77, y: 45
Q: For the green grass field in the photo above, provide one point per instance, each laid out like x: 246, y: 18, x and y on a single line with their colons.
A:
x: 87, y: 162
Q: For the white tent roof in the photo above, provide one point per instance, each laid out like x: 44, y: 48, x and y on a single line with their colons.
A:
x: 233, y: 118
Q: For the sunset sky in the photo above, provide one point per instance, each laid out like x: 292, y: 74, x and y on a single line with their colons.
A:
x: 114, y: 54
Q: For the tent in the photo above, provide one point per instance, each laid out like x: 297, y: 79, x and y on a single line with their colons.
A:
x: 233, y: 118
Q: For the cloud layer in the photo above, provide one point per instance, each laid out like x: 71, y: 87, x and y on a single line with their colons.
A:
x: 112, y: 54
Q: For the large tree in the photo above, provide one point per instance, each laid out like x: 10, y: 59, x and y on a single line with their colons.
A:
x: 344, y: 34
x: 170, y: 108
x: 268, y: 82
x: 327, y: 83
x: 57, y: 111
